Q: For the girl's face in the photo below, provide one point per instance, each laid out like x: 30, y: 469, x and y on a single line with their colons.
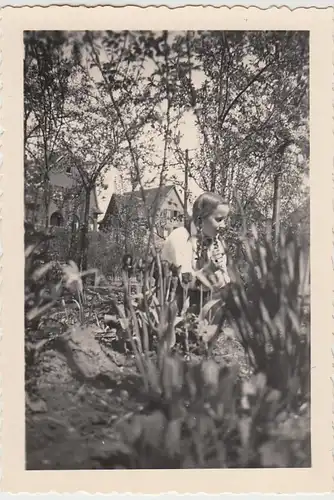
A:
x: 214, y: 222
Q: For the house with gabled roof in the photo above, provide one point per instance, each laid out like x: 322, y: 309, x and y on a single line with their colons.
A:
x: 136, y: 206
x: 66, y: 203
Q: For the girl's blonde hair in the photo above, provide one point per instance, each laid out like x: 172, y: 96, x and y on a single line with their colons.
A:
x: 205, y: 205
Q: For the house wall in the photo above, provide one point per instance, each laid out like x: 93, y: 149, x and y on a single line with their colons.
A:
x: 168, y: 217
x: 174, y: 216
x: 61, y: 182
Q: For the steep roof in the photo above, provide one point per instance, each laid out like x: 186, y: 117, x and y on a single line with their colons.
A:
x: 61, y: 177
x: 153, y: 199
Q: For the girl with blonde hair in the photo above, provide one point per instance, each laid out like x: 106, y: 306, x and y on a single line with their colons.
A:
x: 198, y: 250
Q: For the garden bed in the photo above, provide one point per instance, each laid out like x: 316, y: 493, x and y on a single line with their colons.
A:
x: 77, y: 423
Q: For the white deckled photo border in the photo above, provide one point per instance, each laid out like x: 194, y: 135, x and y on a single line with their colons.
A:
x: 319, y: 22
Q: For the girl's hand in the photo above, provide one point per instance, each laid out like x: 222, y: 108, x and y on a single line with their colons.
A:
x: 212, y: 280
x: 222, y: 279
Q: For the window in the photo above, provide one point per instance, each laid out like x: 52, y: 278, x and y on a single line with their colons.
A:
x: 91, y: 225
x: 75, y: 224
x: 175, y: 214
x: 57, y: 219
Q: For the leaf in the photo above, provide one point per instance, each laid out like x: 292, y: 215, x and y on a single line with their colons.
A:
x: 29, y: 250
x: 56, y: 291
x: 294, y: 320
x: 290, y: 265
x: 154, y: 313
x: 273, y: 456
x: 172, y: 376
x: 35, y: 312
x: 173, y: 437
x: 209, y: 305
x: 249, y: 388
x: 260, y: 381
x: 41, y: 271
x: 131, y: 431
x: 77, y: 304
x: 185, y: 307
x: 264, y: 313
x: 273, y: 396
x: 153, y: 376
x: 124, y: 323
x: 38, y: 406
x: 72, y: 276
x: 39, y: 346
x: 207, y: 332
x: 120, y: 309
x: 203, y: 279
x: 169, y: 334
x: 153, y: 428
x: 245, y: 425
x: 210, y: 374
x: 263, y: 258
x: 178, y: 320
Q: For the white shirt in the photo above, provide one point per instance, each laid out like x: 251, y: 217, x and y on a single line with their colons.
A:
x: 180, y: 249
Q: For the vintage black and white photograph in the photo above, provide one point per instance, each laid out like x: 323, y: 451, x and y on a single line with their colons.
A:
x: 167, y: 250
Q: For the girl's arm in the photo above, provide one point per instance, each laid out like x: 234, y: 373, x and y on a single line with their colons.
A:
x: 178, y: 250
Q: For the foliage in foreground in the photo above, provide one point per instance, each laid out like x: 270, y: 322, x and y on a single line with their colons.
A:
x: 203, y: 414
x: 270, y: 314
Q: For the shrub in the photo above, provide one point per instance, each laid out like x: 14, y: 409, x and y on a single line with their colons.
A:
x: 46, y: 281
x: 40, y: 296
x: 269, y: 314
x: 105, y: 251
x: 41, y: 293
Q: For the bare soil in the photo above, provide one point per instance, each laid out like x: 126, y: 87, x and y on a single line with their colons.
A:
x: 74, y: 426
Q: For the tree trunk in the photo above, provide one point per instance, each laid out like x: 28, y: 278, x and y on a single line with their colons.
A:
x: 213, y: 177
x: 46, y: 202
x: 186, y: 170
x: 276, y: 207
x: 83, y: 245
x: 276, y: 218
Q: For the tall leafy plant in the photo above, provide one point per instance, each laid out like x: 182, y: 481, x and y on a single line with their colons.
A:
x: 270, y: 313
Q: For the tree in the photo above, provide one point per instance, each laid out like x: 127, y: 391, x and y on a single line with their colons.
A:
x: 92, y: 144
x: 48, y: 65
x: 249, y: 93
x: 134, y: 70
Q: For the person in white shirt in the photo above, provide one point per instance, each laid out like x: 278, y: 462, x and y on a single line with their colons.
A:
x: 198, y: 249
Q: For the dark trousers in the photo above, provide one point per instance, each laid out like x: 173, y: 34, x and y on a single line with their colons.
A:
x: 194, y: 299
x: 216, y: 312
